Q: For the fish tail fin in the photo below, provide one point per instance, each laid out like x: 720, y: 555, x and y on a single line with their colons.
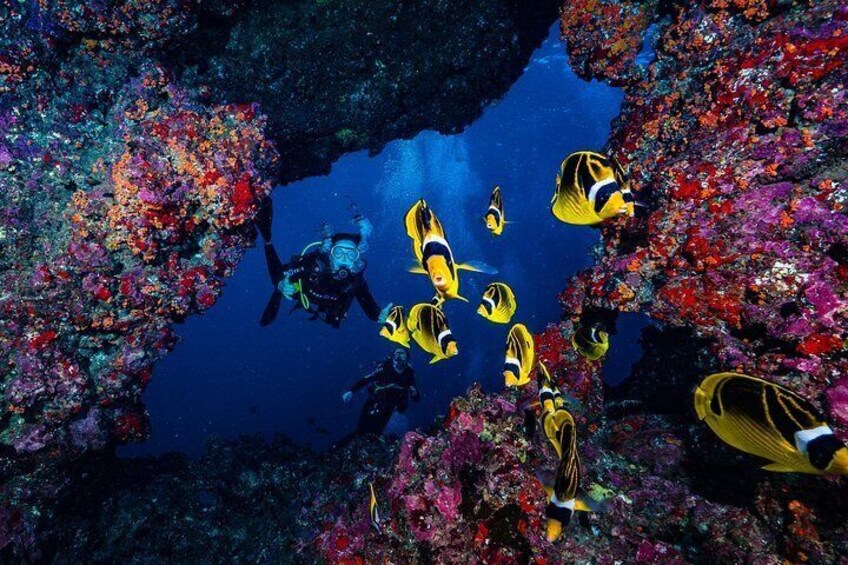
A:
x: 272, y: 308
x: 585, y: 503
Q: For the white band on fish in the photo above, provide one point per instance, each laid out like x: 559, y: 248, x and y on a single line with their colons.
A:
x: 489, y: 301
x: 557, y: 502
x: 392, y: 324
x: 593, y: 192
x: 442, y: 335
x: 804, y: 437
x: 511, y: 360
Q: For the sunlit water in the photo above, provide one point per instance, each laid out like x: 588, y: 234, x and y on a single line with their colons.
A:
x: 229, y: 376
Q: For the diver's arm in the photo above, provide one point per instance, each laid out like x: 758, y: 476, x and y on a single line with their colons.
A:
x: 287, y: 272
x: 366, y: 300
x: 413, y: 390
x: 365, y: 381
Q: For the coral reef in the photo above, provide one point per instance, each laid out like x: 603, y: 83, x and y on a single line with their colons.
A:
x: 135, y: 145
x: 243, y: 500
x: 735, y: 138
x: 347, y: 75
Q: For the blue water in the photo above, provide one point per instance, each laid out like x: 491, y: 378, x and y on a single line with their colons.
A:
x: 229, y: 376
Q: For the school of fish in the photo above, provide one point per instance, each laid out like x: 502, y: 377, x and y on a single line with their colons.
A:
x: 748, y: 413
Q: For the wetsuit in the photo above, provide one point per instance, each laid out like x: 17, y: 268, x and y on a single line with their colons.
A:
x: 388, y: 391
x: 328, y: 295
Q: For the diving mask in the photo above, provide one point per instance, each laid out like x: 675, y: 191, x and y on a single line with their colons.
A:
x: 345, y: 253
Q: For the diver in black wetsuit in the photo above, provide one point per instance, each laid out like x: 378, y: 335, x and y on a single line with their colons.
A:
x: 323, y: 280
x: 389, y: 389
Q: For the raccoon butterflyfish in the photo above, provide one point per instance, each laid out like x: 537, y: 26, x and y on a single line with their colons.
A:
x: 520, y: 356
x: 429, y: 328
x: 591, y: 342
x: 498, y: 304
x: 494, y: 217
x: 563, y: 500
x: 433, y: 253
x: 374, y: 510
x: 394, y: 328
x: 769, y: 421
x: 553, y: 412
x: 591, y: 188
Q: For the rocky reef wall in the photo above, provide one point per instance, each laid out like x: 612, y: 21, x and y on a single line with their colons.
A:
x: 136, y: 140
x: 734, y: 138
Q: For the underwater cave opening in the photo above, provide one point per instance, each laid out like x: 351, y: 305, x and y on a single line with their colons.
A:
x: 229, y: 376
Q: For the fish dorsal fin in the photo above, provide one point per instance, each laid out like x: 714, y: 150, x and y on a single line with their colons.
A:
x: 477, y: 267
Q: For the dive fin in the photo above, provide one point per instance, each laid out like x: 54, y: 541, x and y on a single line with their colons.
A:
x: 272, y: 308
x: 263, y: 218
x: 435, y: 359
x: 477, y: 267
x: 418, y: 270
x: 458, y: 297
x: 275, y: 266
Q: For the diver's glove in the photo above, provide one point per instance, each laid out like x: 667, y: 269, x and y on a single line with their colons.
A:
x: 287, y: 288
x: 347, y: 396
x: 384, y: 314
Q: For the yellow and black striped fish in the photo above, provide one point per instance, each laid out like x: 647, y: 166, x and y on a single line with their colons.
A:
x: 394, y: 328
x: 374, y: 510
x: 429, y: 328
x: 433, y: 253
x: 553, y: 412
x: 591, y: 342
x: 769, y: 421
x: 494, y: 217
x: 520, y: 356
x: 498, y: 304
x: 591, y: 188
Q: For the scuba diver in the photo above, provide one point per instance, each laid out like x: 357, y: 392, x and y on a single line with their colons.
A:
x: 325, y: 278
x: 390, y: 387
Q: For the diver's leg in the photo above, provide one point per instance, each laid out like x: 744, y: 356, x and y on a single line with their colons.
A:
x: 374, y: 420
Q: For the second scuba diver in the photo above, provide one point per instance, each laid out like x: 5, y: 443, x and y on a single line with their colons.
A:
x: 324, y: 279
x: 389, y: 388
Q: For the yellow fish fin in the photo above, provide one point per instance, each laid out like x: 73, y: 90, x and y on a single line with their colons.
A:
x: 477, y: 267
x: 584, y: 503
x: 778, y: 468
x: 435, y: 359
x: 418, y: 270
x: 458, y: 297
